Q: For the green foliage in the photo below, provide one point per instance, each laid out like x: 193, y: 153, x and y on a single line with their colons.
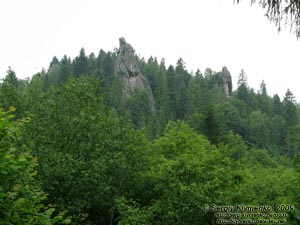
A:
x: 131, y: 213
x: 21, y: 198
x: 183, y: 175
x: 212, y: 129
x: 9, y: 95
x: 139, y: 108
x: 104, y: 160
x: 171, y: 93
x: 258, y: 129
x: 88, y: 157
x: 229, y: 117
x: 290, y: 110
x: 80, y: 64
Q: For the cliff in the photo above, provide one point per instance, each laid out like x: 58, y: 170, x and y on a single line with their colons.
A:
x: 128, y: 69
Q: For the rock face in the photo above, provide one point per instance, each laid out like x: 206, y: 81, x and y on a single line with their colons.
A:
x: 226, y: 81
x: 126, y: 60
x: 130, y: 72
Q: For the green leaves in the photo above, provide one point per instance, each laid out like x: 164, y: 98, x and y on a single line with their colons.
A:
x: 185, y: 171
x: 88, y: 156
x: 182, y: 176
x: 20, y: 195
x: 91, y: 155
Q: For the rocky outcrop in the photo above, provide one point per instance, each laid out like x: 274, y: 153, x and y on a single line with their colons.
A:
x: 128, y: 69
x: 127, y: 64
x: 226, y: 81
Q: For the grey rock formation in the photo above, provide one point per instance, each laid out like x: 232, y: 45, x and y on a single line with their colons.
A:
x: 126, y: 60
x: 226, y: 81
x: 130, y: 72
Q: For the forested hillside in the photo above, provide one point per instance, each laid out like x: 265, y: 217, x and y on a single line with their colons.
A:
x: 112, y: 138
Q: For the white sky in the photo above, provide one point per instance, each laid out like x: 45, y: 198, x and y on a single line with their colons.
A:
x: 205, y: 33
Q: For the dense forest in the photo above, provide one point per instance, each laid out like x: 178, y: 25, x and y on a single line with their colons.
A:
x: 113, y: 138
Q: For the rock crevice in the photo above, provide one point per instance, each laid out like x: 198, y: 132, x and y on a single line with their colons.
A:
x: 128, y: 69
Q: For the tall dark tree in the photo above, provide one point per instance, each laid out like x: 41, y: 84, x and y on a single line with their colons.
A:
x: 161, y: 90
x: 9, y: 90
x: 53, y: 63
x: 80, y: 64
x: 65, y: 69
x: 171, y: 93
x: 263, y: 100
x: 277, y: 106
x: 182, y: 83
x: 291, y: 116
x: 109, y: 68
x: 290, y: 110
x: 213, y: 129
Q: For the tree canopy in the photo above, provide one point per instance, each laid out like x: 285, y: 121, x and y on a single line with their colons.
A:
x: 74, y: 149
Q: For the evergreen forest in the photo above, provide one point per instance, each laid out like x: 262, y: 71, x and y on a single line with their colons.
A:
x: 113, y: 138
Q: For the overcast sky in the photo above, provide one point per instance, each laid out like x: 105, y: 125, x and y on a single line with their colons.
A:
x: 205, y: 33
